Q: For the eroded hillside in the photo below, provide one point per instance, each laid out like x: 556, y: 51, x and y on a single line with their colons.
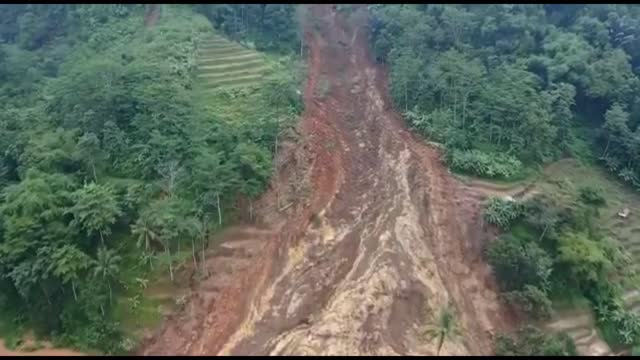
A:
x: 375, y: 239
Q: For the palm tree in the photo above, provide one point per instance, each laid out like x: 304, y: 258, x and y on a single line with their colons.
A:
x: 445, y: 328
x: 107, y: 266
x: 144, y: 230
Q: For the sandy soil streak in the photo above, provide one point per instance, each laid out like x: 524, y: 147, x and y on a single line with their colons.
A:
x: 394, y: 237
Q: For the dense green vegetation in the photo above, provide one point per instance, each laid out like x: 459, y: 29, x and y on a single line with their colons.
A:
x: 530, y: 341
x: 552, y: 248
x: 266, y: 26
x: 113, y: 165
x: 508, y: 86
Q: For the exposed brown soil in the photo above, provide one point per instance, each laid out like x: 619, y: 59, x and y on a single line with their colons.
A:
x: 364, y: 234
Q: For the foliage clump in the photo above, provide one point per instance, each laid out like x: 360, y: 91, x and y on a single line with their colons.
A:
x: 530, y: 341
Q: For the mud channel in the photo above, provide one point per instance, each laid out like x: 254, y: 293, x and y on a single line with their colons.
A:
x: 362, y: 239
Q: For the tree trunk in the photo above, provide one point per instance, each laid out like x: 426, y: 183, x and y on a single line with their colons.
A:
x: 204, y: 268
x: 455, y: 106
x: 464, y: 109
x: 219, y: 212
x: 73, y: 288
x: 101, y: 237
x: 110, y: 293
x: 490, y: 132
x: 193, y: 253
x: 102, y: 310
x: 45, y: 293
x: 262, y: 12
x: 250, y: 210
x: 406, y: 104
x: 170, y: 263
x: 606, y: 147
x: 93, y: 167
x: 543, y: 232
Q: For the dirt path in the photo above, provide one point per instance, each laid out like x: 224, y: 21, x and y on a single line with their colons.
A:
x: 377, y: 239
x: 42, y: 352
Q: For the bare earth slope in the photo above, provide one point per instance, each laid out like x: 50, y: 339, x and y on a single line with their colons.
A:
x: 381, y: 239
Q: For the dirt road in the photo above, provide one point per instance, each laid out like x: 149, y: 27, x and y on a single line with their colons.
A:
x: 377, y: 237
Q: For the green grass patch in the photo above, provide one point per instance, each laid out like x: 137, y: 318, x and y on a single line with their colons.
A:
x: 567, y: 176
x: 246, y: 64
x: 228, y: 60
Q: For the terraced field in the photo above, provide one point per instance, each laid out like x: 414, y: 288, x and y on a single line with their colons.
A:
x: 223, y: 64
x: 561, y: 179
x: 579, y: 326
x: 562, y: 176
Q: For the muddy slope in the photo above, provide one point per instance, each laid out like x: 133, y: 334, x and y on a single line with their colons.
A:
x: 376, y: 237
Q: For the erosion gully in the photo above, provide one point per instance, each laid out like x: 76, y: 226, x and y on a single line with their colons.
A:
x: 380, y: 241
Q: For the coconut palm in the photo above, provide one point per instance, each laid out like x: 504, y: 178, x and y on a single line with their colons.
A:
x: 444, y: 328
x: 107, y: 267
x: 143, y: 228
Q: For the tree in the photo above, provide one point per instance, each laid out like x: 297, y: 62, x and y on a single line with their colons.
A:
x: 444, y: 329
x: 502, y: 212
x: 560, y: 99
x: 171, y: 173
x: 533, y: 301
x: 211, y: 179
x: 69, y: 263
x: 168, y: 220
x: 532, y: 342
x: 615, y: 127
x: 589, y: 260
x: 89, y: 152
x: 51, y: 152
x: 95, y: 209
x: 611, y: 77
x: 543, y: 214
x: 254, y: 167
x: 33, y: 221
x: 143, y: 229
x: 107, y: 267
x: 517, y: 263
x: 404, y: 75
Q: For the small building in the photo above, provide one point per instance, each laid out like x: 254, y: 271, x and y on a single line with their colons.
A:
x: 624, y: 213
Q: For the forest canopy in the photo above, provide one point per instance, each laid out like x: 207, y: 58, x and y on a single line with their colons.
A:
x: 110, y: 165
x: 509, y: 86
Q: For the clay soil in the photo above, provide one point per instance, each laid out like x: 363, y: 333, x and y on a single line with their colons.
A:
x: 363, y: 238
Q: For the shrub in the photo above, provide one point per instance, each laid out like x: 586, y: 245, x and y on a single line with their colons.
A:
x: 530, y: 341
x: 491, y: 165
x: 588, y: 260
x: 517, y: 264
x: 623, y: 326
x: 592, y: 195
x: 502, y: 212
x: 532, y: 301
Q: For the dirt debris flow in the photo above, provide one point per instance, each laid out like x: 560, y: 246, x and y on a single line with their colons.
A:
x: 380, y: 237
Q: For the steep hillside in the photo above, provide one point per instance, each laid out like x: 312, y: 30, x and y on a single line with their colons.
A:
x: 368, y: 251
